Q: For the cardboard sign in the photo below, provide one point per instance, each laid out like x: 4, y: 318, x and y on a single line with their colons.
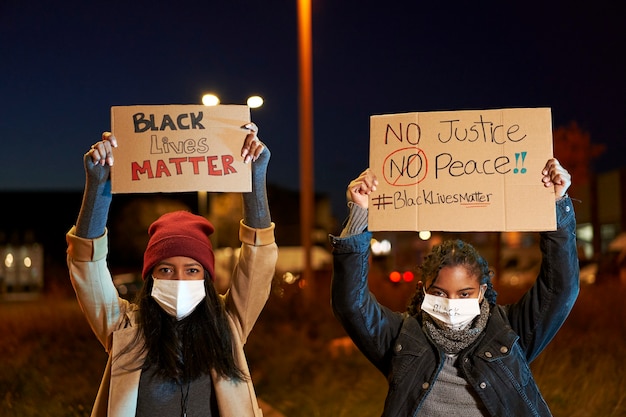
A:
x: 176, y: 148
x: 470, y: 170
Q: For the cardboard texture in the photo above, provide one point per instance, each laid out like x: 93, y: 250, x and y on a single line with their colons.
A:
x: 461, y: 171
x: 178, y: 148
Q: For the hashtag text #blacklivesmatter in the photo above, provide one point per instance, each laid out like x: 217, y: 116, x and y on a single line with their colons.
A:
x: 401, y: 199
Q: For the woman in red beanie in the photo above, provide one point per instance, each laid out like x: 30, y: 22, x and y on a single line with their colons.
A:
x: 177, y: 350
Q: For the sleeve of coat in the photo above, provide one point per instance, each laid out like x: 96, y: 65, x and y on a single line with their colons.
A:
x: 539, y: 314
x: 96, y: 294
x: 252, y: 277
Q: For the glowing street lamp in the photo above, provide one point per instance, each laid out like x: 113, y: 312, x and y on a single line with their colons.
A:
x: 210, y: 100
x: 254, y: 102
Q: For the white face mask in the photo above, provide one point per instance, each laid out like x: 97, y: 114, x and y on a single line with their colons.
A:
x: 453, y: 313
x: 178, y: 297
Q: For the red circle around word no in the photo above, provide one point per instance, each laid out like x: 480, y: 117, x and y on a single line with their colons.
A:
x: 406, y: 166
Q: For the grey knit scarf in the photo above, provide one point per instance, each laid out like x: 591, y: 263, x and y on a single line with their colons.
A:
x: 453, y: 341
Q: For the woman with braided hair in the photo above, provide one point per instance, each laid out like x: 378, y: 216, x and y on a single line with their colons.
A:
x: 177, y: 350
x: 455, y: 351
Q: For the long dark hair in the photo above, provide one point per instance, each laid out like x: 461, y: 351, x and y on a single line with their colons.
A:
x: 452, y: 253
x: 187, y: 349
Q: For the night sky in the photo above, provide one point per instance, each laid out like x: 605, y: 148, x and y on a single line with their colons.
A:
x: 64, y: 64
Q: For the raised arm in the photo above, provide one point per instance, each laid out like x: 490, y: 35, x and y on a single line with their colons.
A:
x: 94, y: 210
x: 88, y: 246
x: 256, y: 211
x: 252, y: 278
x: 540, y: 313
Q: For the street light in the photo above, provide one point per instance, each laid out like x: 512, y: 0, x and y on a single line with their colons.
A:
x: 305, y: 61
x: 254, y: 102
x: 210, y: 100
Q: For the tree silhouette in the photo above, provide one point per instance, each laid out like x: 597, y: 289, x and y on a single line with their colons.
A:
x: 574, y: 149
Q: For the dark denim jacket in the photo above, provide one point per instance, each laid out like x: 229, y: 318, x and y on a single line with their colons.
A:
x: 497, y: 364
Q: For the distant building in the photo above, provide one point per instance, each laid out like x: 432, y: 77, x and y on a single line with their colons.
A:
x: 21, y: 268
x: 601, y: 212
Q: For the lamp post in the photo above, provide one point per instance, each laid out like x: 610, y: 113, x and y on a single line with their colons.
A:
x: 306, y: 132
x: 210, y: 99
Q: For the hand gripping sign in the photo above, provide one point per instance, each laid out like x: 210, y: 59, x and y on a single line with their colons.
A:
x: 468, y: 170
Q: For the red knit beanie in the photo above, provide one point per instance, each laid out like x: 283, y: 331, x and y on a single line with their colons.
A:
x: 179, y: 233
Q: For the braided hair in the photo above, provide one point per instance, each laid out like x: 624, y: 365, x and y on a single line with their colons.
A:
x: 452, y: 253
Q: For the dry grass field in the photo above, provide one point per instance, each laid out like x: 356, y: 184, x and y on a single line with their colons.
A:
x: 51, y: 364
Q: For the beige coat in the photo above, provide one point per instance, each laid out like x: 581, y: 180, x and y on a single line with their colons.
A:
x: 113, y: 319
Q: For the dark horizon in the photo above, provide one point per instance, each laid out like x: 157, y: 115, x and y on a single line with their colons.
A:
x: 66, y: 64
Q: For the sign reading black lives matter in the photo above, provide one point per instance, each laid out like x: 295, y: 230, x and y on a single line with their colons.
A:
x: 467, y: 170
x: 177, y: 148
